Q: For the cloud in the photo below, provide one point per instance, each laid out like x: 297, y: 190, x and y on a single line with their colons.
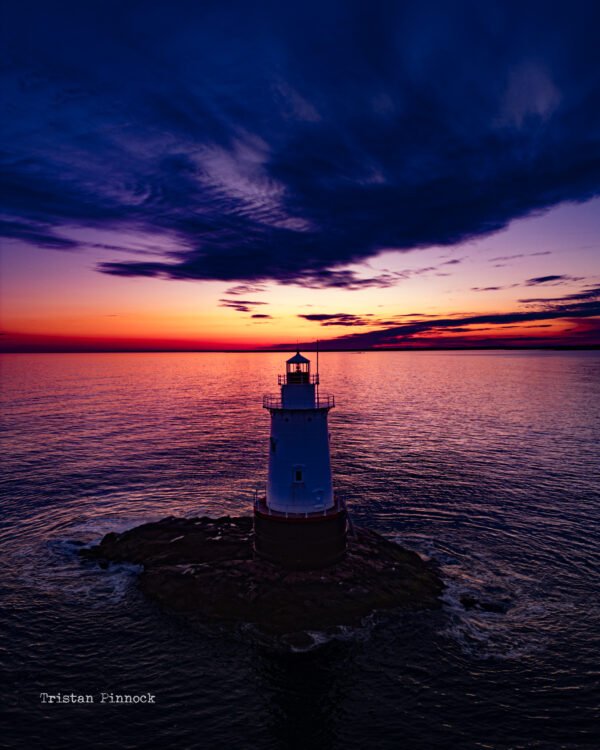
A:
x: 520, y: 255
x: 591, y: 293
x: 339, y: 319
x: 492, y: 288
x: 407, y: 273
x: 260, y: 315
x: 582, y: 307
x: 531, y: 95
x: 286, y: 144
x: 35, y: 233
x: 245, y: 289
x: 553, y: 280
x: 241, y: 305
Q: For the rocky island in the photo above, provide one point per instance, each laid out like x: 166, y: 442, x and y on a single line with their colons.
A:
x: 207, y: 567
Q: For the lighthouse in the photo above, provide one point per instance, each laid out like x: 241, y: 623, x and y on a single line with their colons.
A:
x: 299, y: 522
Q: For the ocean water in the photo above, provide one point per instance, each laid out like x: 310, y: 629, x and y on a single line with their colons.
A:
x: 487, y: 462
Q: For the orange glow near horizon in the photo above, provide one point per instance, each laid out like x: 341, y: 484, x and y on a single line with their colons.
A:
x: 53, y: 300
x: 515, y: 335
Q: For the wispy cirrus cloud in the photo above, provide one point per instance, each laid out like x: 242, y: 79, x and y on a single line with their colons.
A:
x: 245, y: 289
x: 552, y: 280
x: 492, y: 288
x: 520, y: 255
x: 340, y: 319
x: 241, y: 305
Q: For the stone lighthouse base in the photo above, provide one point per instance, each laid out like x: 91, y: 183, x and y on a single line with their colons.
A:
x: 300, y: 541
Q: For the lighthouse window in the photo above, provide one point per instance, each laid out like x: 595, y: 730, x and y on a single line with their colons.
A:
x: 298, y: 475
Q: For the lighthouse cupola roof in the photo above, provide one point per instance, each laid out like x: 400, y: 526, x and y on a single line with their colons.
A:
x: 298, y: 359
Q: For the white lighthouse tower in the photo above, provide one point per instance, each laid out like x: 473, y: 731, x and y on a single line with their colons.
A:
x: 299, y: 523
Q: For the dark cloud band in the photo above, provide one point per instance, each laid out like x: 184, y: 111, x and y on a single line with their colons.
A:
x: 584, y: 306
x: 277, y: 142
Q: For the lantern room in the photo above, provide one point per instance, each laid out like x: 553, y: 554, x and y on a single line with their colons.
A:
x: 297, y: 370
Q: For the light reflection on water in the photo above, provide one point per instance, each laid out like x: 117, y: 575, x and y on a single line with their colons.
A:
x: 487, y: 462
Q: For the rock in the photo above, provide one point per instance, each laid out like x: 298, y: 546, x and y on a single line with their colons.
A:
x: 206, y: 567
x: 298, y: 641
x: 471, y: 602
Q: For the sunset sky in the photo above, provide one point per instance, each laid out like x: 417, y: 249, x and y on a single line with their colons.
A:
x: 238, y: 175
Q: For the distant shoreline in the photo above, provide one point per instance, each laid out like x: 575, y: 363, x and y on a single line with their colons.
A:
x: 307, y: 348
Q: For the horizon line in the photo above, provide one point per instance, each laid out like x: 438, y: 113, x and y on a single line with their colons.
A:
x: 312, y: 348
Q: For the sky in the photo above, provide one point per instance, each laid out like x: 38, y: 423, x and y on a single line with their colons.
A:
x: 223, y: 175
